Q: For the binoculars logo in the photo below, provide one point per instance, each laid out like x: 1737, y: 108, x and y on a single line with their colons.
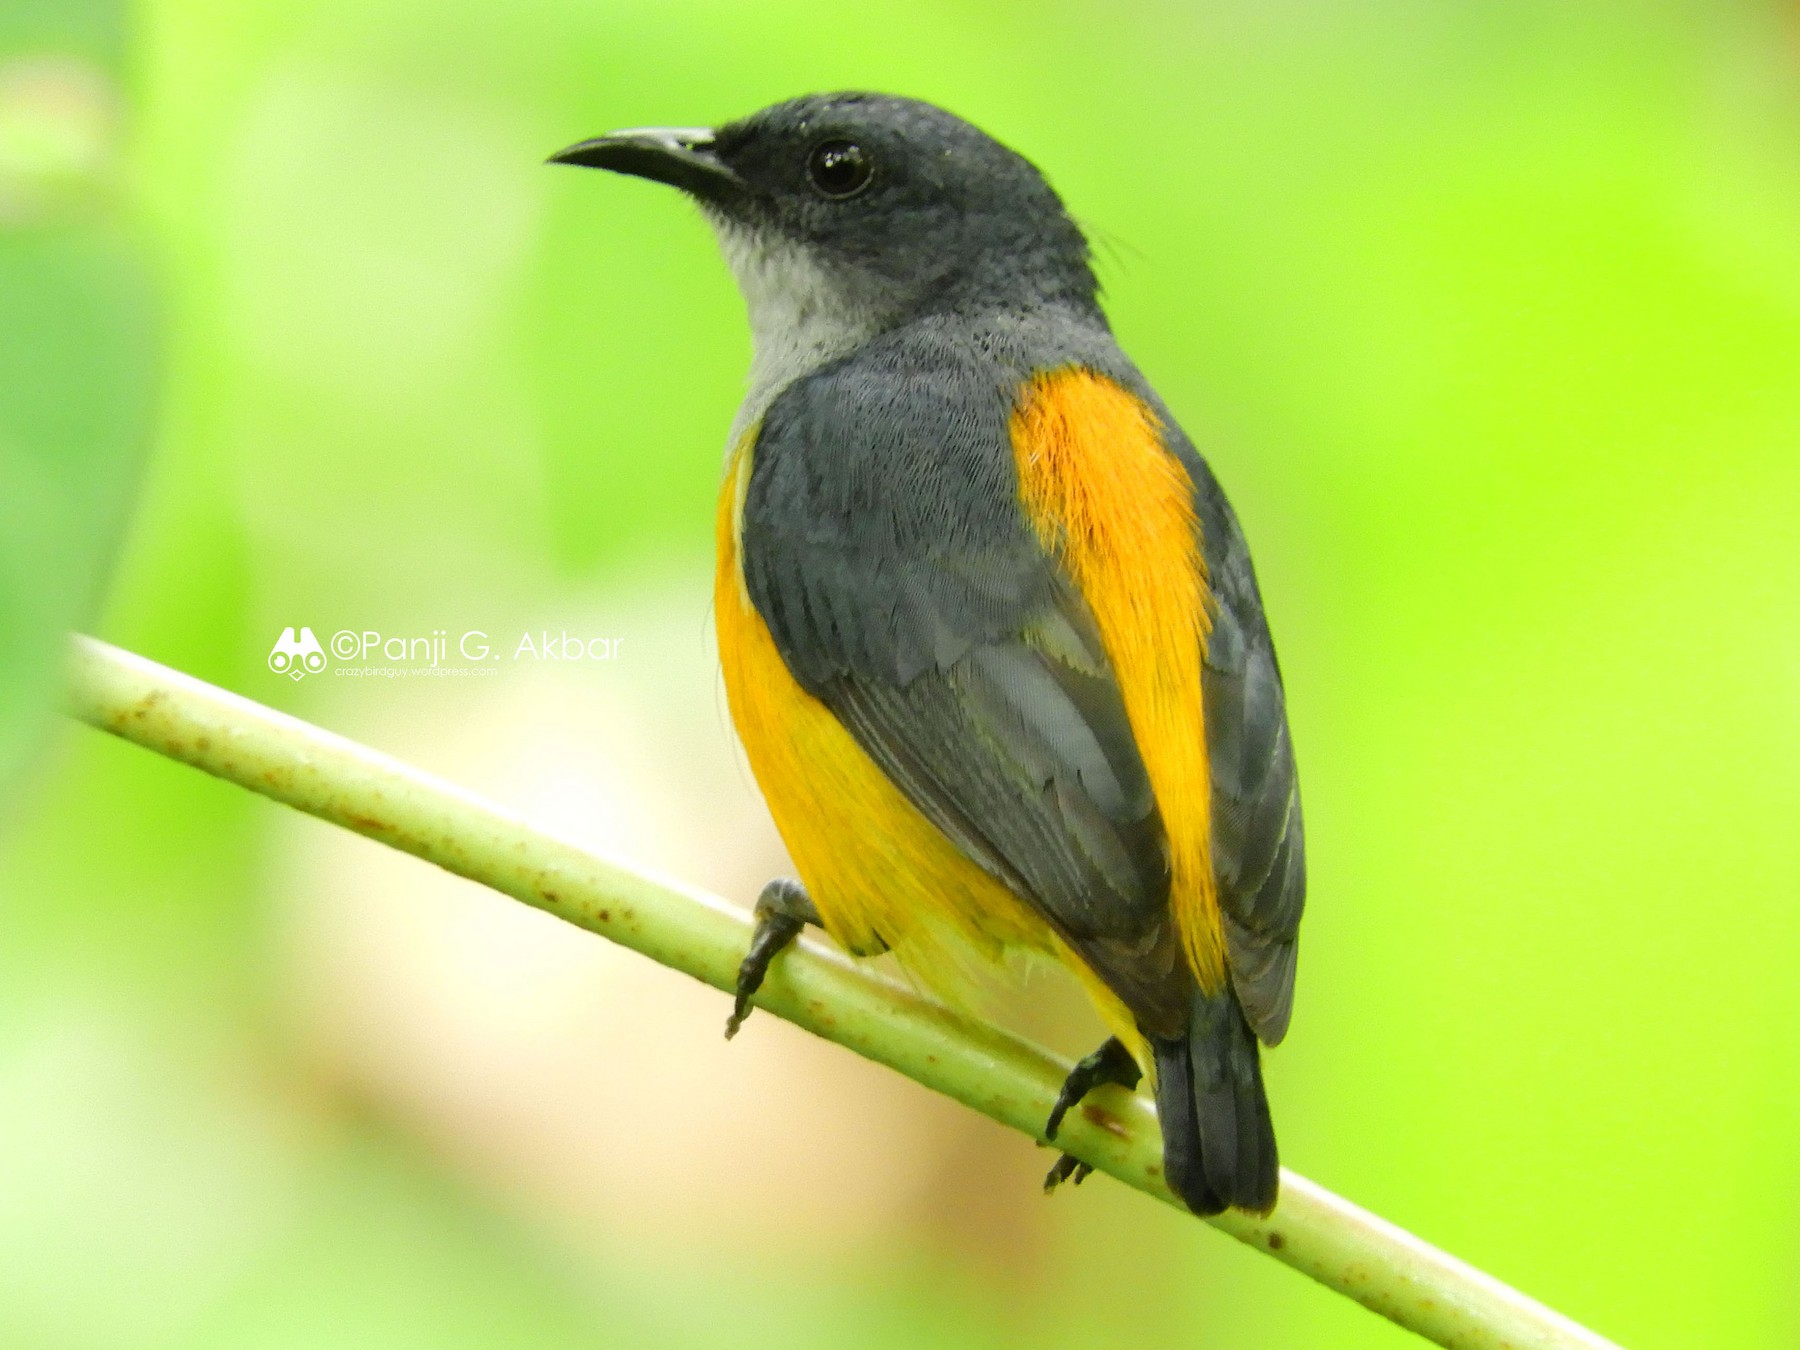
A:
x: 297, y: 657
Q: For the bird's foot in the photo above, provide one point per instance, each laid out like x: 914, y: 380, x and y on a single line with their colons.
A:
x: 782, y: 910
x: 1111, y: 1063
x: 1068, y: 1168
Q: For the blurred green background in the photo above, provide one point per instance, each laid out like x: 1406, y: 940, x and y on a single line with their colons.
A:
x: 1488, y: 316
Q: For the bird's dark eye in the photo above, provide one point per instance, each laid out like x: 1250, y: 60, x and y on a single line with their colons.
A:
x: 839, y: 169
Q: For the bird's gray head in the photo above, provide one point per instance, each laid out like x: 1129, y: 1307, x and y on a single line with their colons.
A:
x: 843, y: 215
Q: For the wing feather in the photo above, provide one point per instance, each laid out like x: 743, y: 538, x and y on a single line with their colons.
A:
x: 882, y: 543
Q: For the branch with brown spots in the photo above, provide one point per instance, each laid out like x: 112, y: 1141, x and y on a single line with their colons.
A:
x: 814, y: 986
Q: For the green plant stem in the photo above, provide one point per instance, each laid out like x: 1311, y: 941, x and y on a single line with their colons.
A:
x: 814, y: 986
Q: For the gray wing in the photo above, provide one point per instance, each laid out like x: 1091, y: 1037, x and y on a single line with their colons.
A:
x: 1259, y: 851
x: 882, y: 545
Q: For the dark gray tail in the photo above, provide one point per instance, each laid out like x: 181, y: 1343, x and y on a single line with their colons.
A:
x: 1218, y: 1142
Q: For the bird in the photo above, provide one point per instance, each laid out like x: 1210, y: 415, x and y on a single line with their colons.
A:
x: 990, y: 633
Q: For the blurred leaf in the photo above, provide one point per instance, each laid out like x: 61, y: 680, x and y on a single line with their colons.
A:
x: 72, y: 397
x: 74, y: 312
x: 91, y: 29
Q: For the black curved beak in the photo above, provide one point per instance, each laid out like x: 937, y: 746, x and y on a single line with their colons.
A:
x: 679, y: 156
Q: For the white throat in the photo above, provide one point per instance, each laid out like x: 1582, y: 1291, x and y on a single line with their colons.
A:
x: 802, y: 316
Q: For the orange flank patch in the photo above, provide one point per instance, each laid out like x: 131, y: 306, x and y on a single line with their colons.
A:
x: 877, y: 870
x: 1107, y: 497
